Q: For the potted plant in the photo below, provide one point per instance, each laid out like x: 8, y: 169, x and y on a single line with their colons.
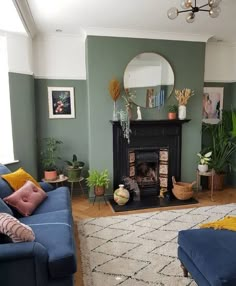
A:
x: 98, y: 180
x: 74, y: 169
x: 49, y: 157
x: 172, y: 111
x: 204, y: 160
x: 222, y: 142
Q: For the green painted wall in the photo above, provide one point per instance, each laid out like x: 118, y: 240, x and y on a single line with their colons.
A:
x: 72, y: 132
x: 106, y: 58
x: 23, y: 121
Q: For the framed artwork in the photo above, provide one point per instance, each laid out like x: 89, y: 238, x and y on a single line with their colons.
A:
x: 212, y: 104
x: 61, y: 102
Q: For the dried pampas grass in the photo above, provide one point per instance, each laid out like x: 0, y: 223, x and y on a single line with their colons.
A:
x: 183, y: 95
x: 114, y: 89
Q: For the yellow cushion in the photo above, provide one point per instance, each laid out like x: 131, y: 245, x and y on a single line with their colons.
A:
x: 18, y: 178
x: 228, y: 222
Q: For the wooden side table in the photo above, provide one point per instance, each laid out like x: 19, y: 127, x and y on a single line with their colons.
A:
x: 57, y: 181
x: 72, y: 185
x: 209, y: 173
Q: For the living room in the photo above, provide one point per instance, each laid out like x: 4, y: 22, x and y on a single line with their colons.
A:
x: 58, y: 50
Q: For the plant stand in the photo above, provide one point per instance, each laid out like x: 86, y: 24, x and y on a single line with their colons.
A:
x: 72, y: 182
x: 209, y: 173
x: 99, y: 195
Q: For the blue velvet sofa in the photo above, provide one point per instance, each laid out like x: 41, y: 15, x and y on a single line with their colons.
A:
x: 51, y: 259
x: 209, y: 255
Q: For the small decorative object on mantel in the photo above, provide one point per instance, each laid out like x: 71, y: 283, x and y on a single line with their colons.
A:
x: 121, y: 195
x: 204, y: 160
x: 182, y: 97
x: 172, y: 111
x: 114, y: 89
x: 139, y: 113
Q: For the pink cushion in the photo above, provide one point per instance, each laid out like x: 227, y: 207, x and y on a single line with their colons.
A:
x: 26, y: 199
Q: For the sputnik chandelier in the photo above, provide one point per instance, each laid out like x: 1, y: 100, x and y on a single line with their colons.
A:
x: 212, y: 7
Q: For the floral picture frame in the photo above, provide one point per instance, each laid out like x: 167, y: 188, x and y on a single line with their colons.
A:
x: 61, y: 103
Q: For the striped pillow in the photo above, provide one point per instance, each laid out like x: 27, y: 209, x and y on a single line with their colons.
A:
x: 16, y: 230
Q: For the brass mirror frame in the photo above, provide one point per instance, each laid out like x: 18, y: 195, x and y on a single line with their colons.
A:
x: 150, y: 90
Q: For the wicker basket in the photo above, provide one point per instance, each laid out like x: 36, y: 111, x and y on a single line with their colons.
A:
x: 182, y: 191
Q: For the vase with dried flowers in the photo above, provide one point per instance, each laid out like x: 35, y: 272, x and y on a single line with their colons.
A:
x: 182, y: 97
x: 114, y: 89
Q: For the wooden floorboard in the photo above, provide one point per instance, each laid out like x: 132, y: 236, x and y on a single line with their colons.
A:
x: 82, y: 209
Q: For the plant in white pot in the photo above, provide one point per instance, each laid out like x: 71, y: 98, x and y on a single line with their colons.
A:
x: 204, y: 160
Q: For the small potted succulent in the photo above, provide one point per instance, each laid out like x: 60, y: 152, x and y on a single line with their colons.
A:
x: 98, y: 180
x: 172, y: 111
x: 204, y: 160
x: 74, y: 168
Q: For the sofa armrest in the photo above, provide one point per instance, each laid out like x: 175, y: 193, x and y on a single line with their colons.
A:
x: 25, y: 263
x: 46, y: 186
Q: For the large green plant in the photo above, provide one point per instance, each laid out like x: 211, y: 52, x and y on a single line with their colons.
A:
x: 49, y: 153
x: 96, y: 178
x: 222, y: 142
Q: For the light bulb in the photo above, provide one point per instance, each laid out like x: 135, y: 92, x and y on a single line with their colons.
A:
x: 172, y: 13
x: 213, y: 3
x: 185, y: 4
x: 190, y: 17
x: 214, y: 12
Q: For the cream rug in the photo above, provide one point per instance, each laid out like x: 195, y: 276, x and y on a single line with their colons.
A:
x: 140, y: 249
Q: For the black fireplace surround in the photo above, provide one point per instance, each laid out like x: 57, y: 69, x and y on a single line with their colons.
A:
x: 149, y: 134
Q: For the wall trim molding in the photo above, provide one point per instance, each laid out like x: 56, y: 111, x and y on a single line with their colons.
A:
x: 23, y: 9
x: 219, y: 81
x: 60, y: 77
x: 144, y: 34
x: 20, y: 72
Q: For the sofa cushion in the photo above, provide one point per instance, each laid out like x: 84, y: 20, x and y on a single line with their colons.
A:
x: 4, y: 208
x: 55, y: 232
x: 213, y: 252
x: 16, y: 230
x: 18, y: 178
x: 5, y: 189
x: 26, y: 199
x: 4, y: 169
x: 58, y: 199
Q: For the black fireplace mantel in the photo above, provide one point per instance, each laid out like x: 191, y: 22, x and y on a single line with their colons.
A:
x: 146, y: 134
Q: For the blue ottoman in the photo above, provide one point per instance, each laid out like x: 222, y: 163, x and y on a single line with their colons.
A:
x: 209, y: 255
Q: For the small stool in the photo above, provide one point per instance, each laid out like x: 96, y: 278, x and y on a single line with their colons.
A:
x: 209, y: 173
x: 72, y: 185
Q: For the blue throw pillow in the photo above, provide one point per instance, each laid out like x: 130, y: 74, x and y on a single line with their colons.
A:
x: 4, y: 208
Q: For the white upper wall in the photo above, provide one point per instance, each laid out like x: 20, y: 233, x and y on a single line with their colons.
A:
x: 19, y: 48
x: 59, y: 57
x: 220, y: 62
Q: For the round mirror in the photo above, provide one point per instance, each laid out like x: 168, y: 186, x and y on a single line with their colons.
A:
x: 150, y: 78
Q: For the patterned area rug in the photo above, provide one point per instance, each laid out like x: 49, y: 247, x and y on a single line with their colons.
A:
x: 140, y: 249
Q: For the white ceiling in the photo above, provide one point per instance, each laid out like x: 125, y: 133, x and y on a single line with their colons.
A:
x: 130, y: 18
